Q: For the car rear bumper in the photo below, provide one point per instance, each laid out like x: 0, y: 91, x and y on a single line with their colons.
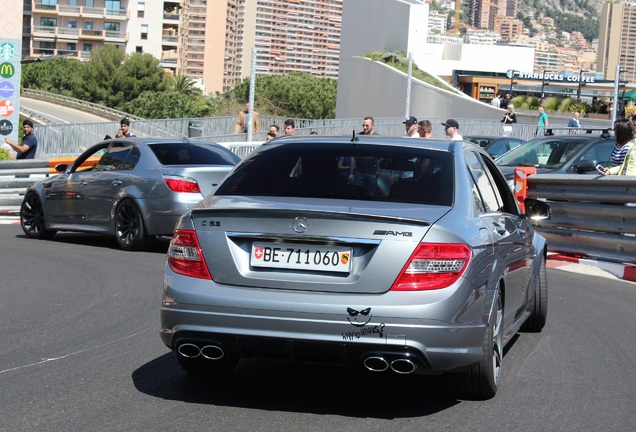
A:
x: 294, y: 327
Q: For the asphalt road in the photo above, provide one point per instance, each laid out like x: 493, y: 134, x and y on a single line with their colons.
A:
x: 58, y: 114
x: 80, y: 351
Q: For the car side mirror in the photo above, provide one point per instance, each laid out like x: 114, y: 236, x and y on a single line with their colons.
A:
x: 536, y: 209
x: 61, y: 167
x: 585, y: 166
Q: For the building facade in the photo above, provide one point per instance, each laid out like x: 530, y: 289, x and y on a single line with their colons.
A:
x: 617, y: 41
x: 210, y: 41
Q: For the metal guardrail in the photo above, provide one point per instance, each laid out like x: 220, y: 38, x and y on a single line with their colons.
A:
x: 594, y: 216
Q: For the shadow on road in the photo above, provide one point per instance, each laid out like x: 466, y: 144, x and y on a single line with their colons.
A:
x: 159, y: 245
x: 279, y: 386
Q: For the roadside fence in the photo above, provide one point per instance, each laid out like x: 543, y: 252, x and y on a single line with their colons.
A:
x: 592, y: 216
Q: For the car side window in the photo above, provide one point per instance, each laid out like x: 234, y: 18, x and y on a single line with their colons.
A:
x: 119, y: 157
x: 489, y: 195
x: 600, y: 152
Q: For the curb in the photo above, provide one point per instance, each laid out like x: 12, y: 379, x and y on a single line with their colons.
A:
x: 621, y: 271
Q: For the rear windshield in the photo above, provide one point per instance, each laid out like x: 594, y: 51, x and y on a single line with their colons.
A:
x: 384, y: 173
x: 188, y: 153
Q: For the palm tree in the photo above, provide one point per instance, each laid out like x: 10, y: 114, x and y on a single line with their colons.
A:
x: 183, y: 85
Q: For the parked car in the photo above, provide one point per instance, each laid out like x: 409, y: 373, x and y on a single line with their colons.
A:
x: 289, y: 259
x: 495, y: 145
x: 560, y: 154
x: 135, y: 189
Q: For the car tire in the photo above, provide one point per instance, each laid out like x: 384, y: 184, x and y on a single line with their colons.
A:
x: 539, y: 312
x: 129, y: 227
x: 32, y: 218
x: 199, y: 366
x: 482, y: 381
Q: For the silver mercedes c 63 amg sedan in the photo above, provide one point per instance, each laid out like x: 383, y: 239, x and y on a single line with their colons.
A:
x: 390, y: 254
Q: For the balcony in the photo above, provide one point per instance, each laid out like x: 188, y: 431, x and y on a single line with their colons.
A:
x: 93, y: 34
x: 116, y: 36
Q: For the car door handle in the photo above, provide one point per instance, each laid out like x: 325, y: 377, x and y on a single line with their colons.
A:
x: 522, y: 232
x: 116, y: 182
x: 83, y: 183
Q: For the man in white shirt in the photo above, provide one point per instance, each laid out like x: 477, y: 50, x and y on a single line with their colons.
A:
x: 496, y: 102
x: 451, y: 127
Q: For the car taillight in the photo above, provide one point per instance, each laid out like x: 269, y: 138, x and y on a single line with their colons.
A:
x: 433, y: 266
x: 185, y: 257
x: 182, y: 184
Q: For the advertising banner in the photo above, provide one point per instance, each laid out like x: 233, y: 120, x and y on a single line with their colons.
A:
x: 10, y: 56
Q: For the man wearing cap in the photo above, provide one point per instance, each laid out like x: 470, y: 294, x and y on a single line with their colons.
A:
x: 410, y: 125
x: 29, y: 144
x: 125, y: 128
x: 451, y: 127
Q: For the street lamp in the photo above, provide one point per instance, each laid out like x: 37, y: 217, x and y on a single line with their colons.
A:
x: 543, y: 85
x: 512, y: 78
x: 578, y: 91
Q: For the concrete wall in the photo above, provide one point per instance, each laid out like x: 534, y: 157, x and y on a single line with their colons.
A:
x: 375, y: 89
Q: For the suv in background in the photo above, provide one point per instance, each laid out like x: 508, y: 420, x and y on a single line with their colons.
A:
x: 560, y: 154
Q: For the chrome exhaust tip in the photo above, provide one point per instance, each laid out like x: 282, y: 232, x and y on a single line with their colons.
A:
x: 376, y: 364
x: 403, y: 366
x: 189, y: 350
x: 212, y: 352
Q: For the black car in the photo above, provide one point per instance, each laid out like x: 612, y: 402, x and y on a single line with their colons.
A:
x: 495, y: 146
x: 560, y: 154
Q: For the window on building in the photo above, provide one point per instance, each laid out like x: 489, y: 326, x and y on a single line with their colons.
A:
x: 88, y: 47
x: 111, y: 26
x: 71, y: 46
x: 88, y: 25
x: 48, y: 22
x: 72, y: 23
x: 112, y: 4
x: 72, y: 2
x: 144, y: 31
x: 141, y: 9
x: 139, y: 49
x: 49, y: 4
x: 89, y: 3
x: 47, y: 47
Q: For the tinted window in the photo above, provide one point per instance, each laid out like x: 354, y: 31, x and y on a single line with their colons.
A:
x: 119, y: 156
x: 184, y: 153
x: 386, y: 173
x: 543, y: 153
x: 489, y: 194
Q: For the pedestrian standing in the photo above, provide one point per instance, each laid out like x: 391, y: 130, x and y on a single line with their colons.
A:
x: 543, y: 122
x: 29, y: 144
x: 508, y: 119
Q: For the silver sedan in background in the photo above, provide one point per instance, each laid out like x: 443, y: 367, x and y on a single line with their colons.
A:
x: 300, y: 255
x: 132, y: 188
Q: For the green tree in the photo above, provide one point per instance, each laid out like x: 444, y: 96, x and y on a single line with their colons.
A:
x: 167, y: 104
x: 111, y: 78
x: 143, y: 72
x: 293, y: 95
x: 56, y: 76
x: 103, y: 77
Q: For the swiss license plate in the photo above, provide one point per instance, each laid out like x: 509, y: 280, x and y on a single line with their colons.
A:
x: 301, y: 257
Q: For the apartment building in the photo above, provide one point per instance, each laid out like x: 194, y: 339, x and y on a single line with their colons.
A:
x: 210, y: 41
x: 484, y: 12
x: 617, y: 41
x: 291, y: 36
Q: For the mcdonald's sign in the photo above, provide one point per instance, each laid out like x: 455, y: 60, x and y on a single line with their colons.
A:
x: 7, y: 70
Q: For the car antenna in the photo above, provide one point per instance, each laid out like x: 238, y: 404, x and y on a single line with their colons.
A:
x: 354, y: 138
